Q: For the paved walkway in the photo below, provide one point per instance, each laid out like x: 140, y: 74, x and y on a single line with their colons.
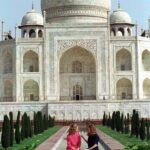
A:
x: 58, y: 141
x: 109, y: 143
x: 49, y: 143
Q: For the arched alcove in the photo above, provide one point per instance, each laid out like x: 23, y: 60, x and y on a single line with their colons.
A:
x: 31, y: 91
x: 77, y: 67
x: 124, y: 89
x: 123, y: 60
x: 31, y: 62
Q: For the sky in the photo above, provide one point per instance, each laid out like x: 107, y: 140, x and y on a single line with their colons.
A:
x: 12, y: 11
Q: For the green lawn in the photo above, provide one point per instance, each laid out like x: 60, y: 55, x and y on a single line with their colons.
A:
x: 38, y: 139
x: 125, y: 139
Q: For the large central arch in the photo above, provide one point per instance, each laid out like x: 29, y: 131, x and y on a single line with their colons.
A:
x: 77, y: 75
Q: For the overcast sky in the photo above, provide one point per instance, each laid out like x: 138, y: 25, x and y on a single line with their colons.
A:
x: 12, y: 11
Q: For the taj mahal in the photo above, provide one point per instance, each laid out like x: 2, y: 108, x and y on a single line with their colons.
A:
x: 74, y: 61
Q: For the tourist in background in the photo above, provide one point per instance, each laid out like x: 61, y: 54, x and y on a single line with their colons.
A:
x: 73, y: 138
x: 93, y: 138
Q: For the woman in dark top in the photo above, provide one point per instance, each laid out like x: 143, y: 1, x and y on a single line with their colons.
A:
x: 93, y: 138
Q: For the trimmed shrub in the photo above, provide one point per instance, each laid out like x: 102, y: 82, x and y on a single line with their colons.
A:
x: 5, y: 139
x: 104, y: 119
x: 122, y: 123
x: 142, y: 130
x: 23, y: 128
x: 113, y: 121
x: 11, y: 129
x: 17, y: 129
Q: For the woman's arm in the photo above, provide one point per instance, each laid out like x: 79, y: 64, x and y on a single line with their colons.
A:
x: 84, y: 139
x: 94, y: 146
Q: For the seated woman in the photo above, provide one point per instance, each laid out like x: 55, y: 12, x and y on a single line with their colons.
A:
x: 73, y: 138
x: 93, y: 138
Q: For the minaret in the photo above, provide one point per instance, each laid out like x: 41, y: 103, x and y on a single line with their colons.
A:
x: 2, y: 30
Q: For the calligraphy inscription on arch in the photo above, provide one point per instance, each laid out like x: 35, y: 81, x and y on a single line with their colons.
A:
x: 89, y: 44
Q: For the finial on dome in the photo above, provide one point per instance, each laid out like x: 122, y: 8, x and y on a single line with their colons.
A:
x: 119, y: 5
x: 32, y: 5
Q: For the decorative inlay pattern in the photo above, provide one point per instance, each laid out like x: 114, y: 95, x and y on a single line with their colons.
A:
x: 76, y: 10
x: 90, y: 44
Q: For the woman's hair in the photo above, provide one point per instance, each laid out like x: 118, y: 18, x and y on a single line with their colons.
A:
x: 92, y: 129
x: 73, y: 129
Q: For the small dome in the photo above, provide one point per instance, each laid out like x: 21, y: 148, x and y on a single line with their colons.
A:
x: 32, y: 18
x: 120, y: 16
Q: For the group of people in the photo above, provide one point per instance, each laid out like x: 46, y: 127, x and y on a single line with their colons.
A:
x: 74, y: 138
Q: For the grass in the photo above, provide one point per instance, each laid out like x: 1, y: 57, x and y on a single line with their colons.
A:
x: 36, y: 139
x: 124, y: 139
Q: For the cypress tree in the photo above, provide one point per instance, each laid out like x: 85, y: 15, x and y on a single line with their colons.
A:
x: 5, y: 138
x: 17, y: 129
x: 52, y: 121
x: 128, y: 123
x: 39, y: 122
x: 30, y: 132
x: 26, y: 125
x: 45, y: 122
x: 118, y: 121
x: 125, y: 125
x: 142, y: 130
x: 133, y: 123
x: 35, y: 124
x: 122, y: 124
x: 11, y: 129
x: 23, y: 128
x: 137, y: 124
x: 104, y: 119
x: 147, y: 130
x: 113, y: 125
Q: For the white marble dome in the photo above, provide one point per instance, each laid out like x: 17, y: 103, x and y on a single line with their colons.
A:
x: 46, y: 4
x: 75, y: 8
x: 120, y: 16
x: 32, y: 18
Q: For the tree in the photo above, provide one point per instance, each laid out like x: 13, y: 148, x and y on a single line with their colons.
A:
x: 147, y: 130
x: 26, y: 125
x: 52, y: 121
x: 11, y: 129
x: 30, y: 128
x: 113, y: 125
x: 104, y: 119
x: 5, y: 138
x: 118, y: 121
x: 17, y: 129
x: 137, y: 124
x: 35, y: 124
x: 133, y: 123
x: 122, y: 123
x: 142, y: 130
x: 23, y: 128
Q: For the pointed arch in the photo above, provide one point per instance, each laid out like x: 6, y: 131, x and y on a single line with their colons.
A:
x: 113, y: 32
x: 31, y: 62
x: 146, y: 88
x: 123, y: 60
x: 124, y: 89
x: 40, y: 33
x: 146, y: 60
x: 120, y: 32
x: 77, y: 67
x: 31, y: 90
x: 32, y: 33
x: 7, y: 63
x: 8, y: 91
